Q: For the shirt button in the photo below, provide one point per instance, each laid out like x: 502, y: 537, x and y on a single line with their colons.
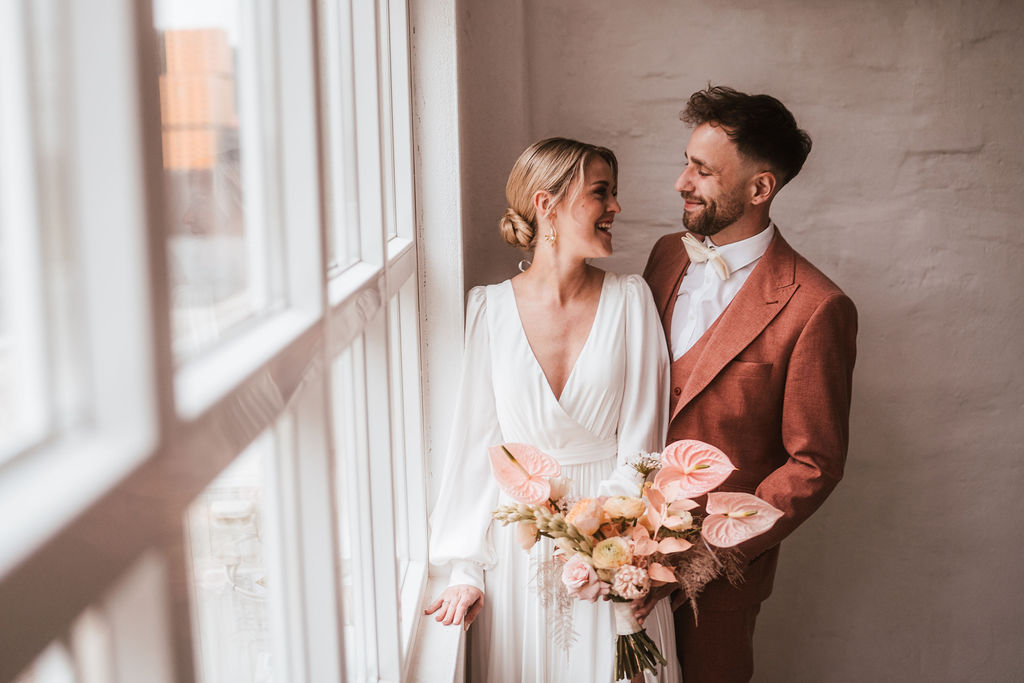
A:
x: 677, y: 391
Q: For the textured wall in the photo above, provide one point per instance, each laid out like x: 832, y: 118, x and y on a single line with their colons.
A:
x: 494, y: 110
x: 910, y: 201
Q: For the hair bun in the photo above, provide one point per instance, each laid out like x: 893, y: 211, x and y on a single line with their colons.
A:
x: 516, y: 230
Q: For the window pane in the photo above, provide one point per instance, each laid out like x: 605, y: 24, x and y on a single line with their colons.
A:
x: 24, y: 409
x: 218, y: 192
x: 336, y: 72
x: 232, y: 583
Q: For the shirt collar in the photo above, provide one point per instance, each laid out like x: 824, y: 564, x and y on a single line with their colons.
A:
x: 741, y: 254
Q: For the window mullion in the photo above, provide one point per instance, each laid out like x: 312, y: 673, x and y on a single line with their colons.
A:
x: 317, y: 529
x: 138, y: 617
x: 383, y: 528
x: 110, y: 209
x: 300, y: 155
x: 354, y: 505
x: 368, y: 125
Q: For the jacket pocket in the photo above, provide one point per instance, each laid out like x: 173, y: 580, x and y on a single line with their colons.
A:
x: 749, y: 368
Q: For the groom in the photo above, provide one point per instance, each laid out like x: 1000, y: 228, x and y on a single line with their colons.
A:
x: 762, y: 345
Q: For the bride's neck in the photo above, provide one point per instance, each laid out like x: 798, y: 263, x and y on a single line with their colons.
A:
x: 558, y: 279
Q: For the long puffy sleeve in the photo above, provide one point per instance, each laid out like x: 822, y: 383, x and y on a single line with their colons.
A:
x: 461, y: 519
x: 643, y: 416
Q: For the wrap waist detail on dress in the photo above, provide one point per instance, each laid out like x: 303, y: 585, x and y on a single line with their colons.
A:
x: 578, y: 454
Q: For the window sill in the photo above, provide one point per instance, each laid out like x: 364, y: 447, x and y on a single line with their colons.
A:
x: 439, y: 651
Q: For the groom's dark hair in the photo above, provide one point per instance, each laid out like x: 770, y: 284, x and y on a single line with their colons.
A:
x: 761, y: 126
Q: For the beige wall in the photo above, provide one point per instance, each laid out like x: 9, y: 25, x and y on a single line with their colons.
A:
x: 910, y: 201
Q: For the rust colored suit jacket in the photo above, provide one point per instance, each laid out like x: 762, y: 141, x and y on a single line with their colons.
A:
x: 768, y: 384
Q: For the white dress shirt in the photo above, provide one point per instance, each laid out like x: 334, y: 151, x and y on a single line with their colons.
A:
x: 703, y: 295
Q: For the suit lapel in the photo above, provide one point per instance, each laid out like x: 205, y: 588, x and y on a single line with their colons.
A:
x: 762, y: 296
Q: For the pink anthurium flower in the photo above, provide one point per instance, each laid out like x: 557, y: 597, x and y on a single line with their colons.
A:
x: 642, y: 543
x: 736, y: 517
x: 655, y: 508
x: 691, y: 468
x: 663, y: 514
x: 522, y: 471
x: 659, y: 573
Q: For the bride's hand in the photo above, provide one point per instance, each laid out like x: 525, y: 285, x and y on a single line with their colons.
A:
x: 457, y: 604
x: 641, y: 608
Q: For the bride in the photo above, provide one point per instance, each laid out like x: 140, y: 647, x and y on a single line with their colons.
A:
x: 568, y: 358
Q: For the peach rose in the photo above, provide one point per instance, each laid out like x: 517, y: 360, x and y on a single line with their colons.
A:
x: 586, y: 515
x: 581, y: 580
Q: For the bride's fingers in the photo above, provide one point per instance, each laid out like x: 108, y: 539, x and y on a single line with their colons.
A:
x: 452, y: 614
x: 470, y: 604
x: 460, y: 610
x: 444, y: 612
x: 452, y: 606
x: 645, y: 608
x: 430, y: 609
x: 473, y: 612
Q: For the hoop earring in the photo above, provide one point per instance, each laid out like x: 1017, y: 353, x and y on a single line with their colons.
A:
x: 523, y: 265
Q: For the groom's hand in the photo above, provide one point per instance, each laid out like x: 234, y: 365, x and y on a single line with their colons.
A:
x: 641, y: 608
x: 458, y: 604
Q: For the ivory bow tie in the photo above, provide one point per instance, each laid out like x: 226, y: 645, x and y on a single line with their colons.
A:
x: 699, y: 253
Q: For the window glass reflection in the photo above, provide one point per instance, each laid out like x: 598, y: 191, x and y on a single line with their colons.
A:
x: 217, y: 246
x: 230, y: 583
x: 24, y: 407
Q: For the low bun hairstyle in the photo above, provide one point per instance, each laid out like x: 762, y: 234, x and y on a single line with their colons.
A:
x: 553, y: 165
x: 516, y: 230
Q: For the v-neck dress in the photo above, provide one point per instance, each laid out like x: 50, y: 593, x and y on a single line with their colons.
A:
x: 614, y: 405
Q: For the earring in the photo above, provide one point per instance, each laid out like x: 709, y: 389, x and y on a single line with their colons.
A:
x: 523, y: 265
x: 552, y: 236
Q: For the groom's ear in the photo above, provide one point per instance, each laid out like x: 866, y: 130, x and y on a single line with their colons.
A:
x: 764, y: 185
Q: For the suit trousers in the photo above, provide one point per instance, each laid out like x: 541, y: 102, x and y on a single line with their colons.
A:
x: 717, y: 647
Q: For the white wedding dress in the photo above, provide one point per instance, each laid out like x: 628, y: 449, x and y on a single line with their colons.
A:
x: 613, y: 406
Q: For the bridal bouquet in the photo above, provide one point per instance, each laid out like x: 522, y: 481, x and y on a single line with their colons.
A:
x: 619, y: 547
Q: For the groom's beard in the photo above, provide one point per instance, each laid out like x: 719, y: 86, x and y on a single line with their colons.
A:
x: 713, y: 217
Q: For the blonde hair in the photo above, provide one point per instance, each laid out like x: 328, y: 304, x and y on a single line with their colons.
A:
x: 552, y: 165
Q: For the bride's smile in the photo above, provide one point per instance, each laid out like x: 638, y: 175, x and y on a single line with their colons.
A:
x: 584, y: 226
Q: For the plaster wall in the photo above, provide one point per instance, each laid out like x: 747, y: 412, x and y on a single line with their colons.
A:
x: 494, y: 128
x: 910, y: 201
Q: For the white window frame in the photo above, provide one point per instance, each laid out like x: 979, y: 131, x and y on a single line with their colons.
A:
x: 161, y: 431
x: 21, y: 258
x: 360, y: 297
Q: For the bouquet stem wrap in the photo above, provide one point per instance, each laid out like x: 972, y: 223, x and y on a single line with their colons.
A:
x: 634, y: 649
